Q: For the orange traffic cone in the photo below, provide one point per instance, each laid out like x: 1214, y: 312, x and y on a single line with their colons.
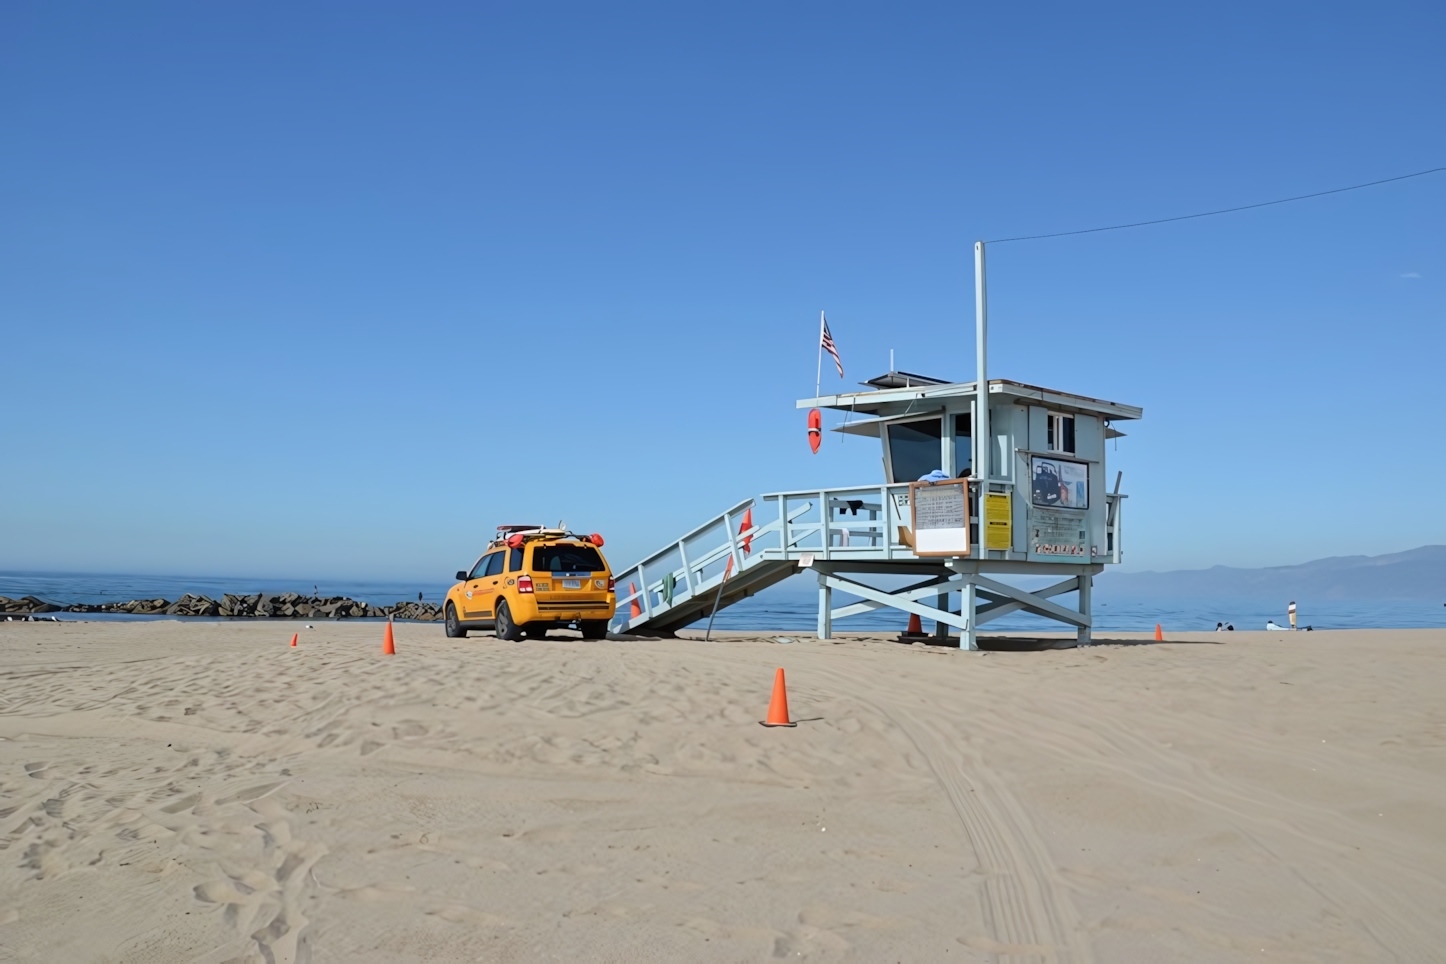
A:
x: 636, y: 608
x: 293, y: 639
x: 389, y: 644
x: 1159, y: 634
x: 916, y: 628
x: 778, y: 706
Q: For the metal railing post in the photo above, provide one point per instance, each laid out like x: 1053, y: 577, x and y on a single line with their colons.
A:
x: 783, y: 525
x: 687, y: 570
x: 643, y: 588
x: 823, y: 513
x: 888, y: 503
x: 732, y: 541
x: 1119, y: 529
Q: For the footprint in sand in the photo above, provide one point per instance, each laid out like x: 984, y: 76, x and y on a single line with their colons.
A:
x: 264, y: 902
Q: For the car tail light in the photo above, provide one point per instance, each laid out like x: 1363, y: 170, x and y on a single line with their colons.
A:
x: 612, y: 584
x: 524, y: 584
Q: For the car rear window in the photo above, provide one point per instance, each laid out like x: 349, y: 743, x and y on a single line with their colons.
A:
x: 565, y: 558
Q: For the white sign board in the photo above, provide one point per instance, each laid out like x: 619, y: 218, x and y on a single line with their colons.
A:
x: 1056, y: 533
x: 941, y: 517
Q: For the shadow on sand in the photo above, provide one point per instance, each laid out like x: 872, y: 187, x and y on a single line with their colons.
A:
x: 1034, y: 644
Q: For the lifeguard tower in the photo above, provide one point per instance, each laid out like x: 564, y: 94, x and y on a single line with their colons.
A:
x: 1017, y: 485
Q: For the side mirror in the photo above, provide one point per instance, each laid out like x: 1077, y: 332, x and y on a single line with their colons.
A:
x: 461, y: 575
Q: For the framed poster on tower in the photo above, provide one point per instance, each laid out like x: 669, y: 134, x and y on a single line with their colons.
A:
x: 1059, y: 483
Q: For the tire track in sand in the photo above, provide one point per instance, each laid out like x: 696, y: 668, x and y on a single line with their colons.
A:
x: 1318, y: 837
x: 1026, y: 900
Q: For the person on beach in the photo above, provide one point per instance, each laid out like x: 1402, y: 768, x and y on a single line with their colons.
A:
x: 1291, y: 610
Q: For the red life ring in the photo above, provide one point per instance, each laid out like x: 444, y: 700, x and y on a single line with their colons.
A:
x: 815, y: 429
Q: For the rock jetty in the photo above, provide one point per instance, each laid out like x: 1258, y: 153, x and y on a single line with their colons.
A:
x: 286, y: 605
x: 27, y: 604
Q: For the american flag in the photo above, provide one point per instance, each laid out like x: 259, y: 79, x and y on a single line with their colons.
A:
x: 826, y: 343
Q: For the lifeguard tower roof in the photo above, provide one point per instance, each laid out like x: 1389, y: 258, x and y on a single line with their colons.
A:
x: 902, y: 393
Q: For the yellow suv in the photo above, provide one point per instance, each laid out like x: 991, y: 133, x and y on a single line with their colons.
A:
x: 531, y: 580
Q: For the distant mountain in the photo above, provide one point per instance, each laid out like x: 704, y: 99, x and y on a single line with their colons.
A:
x: 1414, y: 574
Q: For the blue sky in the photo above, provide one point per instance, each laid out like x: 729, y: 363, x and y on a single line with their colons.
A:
x: 330, y: 290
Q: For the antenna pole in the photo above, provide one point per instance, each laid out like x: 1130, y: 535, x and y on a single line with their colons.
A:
x: 980, y: 428
x: 818, y: 378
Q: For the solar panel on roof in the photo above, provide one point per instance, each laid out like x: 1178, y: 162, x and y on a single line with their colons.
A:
x: 903, y: 380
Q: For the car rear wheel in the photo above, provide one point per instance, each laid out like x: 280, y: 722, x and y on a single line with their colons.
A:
x: 503, y: 625
x: 454, y: 625
x: 594, y: 629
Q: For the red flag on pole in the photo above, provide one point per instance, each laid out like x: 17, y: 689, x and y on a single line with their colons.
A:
x: 747, y: 524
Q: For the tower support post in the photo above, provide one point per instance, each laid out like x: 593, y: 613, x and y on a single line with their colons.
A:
x: 1086, y: 605
x: 968, y: 603
x: 825, y: 608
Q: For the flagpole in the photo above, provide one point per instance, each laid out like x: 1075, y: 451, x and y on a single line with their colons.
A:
x: 983, y: 447
x: 818, y: 378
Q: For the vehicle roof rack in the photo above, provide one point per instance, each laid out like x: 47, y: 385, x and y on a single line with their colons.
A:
x: 530, y: 533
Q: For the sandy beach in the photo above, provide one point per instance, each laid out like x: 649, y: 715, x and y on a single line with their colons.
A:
x: 204, y: 792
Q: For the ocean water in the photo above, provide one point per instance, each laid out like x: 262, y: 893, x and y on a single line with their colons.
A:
x: 787, y: 607
x: 69, y: 587
x: 798, y: 614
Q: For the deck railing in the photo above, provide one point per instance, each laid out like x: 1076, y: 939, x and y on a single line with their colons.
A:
x: 855, y: 521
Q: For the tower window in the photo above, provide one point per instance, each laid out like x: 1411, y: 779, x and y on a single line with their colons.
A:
x: 915, y: 448
x: 1061, y: 433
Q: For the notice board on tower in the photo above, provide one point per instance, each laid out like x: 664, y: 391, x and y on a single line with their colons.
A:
x: 998, y: 521
x: 940, y: 516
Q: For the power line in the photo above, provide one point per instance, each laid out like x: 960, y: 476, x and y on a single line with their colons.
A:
x: 1206, y: 214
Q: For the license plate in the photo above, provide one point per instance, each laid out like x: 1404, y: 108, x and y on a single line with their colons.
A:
x: 572, y: 584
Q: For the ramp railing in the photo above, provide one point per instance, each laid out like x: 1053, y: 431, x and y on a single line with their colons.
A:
x: 679, y: 582
x: 683, y: 577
